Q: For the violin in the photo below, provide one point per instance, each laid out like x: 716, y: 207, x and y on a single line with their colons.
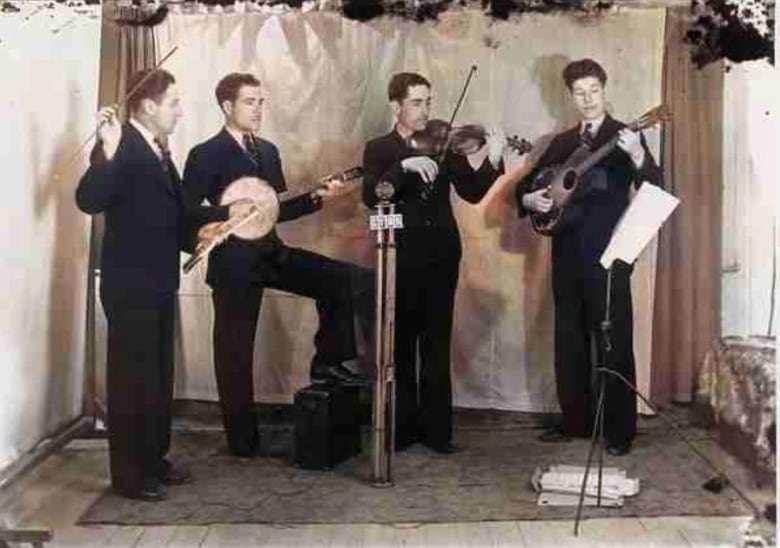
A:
x: 439, y: 137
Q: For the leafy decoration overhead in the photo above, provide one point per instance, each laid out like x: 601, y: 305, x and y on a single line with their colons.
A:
x: 737, y: 30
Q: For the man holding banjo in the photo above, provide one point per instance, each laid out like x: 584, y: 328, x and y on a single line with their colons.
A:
x: 235, y: 163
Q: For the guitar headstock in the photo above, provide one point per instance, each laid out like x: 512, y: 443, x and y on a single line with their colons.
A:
x: 654, y: 116
x: 521, y: 146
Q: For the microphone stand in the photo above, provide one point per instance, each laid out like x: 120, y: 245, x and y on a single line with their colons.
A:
x: 385, y: 223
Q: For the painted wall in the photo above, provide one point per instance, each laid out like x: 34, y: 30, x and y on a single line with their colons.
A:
x: 751, y: 167
x: 49, y: 60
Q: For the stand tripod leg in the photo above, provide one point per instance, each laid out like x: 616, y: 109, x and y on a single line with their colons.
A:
x: 756, y: 510
x: 601, y: 413
x: 596, y: 437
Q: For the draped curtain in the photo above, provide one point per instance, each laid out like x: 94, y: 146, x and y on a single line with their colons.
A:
x: 687, y: 303
x: 325, y: 78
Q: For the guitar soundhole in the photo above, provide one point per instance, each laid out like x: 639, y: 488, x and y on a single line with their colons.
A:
x: 569, y: 180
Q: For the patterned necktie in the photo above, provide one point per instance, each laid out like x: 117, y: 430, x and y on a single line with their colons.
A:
x: 588, y: 135
x: 250, y: 144
x: 165, y: 154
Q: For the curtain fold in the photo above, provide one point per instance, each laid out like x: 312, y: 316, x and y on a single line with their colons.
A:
x: 687, y: 297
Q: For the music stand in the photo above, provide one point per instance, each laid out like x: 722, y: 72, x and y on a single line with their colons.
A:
x: 641, y: 221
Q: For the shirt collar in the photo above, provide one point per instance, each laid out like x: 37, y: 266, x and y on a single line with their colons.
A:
x: 595, y: 125
x: 147, y: 135
x: 237, y: 135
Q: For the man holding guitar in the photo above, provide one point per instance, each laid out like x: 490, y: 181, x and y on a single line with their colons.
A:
x: 239, y: 269
x: 604, y: 159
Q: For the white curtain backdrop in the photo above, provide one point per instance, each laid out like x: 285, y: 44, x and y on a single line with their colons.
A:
x: 325, y: 78
x: 49, y: 59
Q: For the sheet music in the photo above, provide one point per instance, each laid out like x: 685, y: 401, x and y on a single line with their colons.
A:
x: 643, y: 217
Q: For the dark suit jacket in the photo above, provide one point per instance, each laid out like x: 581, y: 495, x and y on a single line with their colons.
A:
x: 430, y: 232
x: 146, y: 221
x: 211, y: 166
x: 603, y: 194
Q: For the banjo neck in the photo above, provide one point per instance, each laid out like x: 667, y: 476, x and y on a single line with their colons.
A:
x: 347, y: 175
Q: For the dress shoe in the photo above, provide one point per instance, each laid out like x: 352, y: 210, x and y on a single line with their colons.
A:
x: 152, y: 493
x: 619, y: 449
x: 447, y: 448
x: 553, y: 434
x: 403, y: 444
x: 335, y: 373
x: 174, y: 475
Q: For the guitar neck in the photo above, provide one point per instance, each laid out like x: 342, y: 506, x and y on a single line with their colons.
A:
x: 601, y: 152
x: 597, y: 155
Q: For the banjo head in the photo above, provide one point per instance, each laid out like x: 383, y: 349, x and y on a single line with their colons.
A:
x: 265, y: 199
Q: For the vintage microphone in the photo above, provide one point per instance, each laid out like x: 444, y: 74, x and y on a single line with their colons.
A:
x: 385, y: 222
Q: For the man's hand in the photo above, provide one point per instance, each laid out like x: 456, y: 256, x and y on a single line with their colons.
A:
x: 109, y: 130
x: 331, y: 189
x: 629, y: 141
x: 423, y: 166
x: 538, y: 201
x: 239, y: 208
x: 208, y: 232
x: 496, y: 143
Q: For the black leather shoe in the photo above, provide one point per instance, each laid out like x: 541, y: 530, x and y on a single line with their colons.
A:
x: 445, y: 449
x: 619, y: 449
x: 154, y: 493
x: 335, y: 373
x: 175, y: 475
x: 553, y: 435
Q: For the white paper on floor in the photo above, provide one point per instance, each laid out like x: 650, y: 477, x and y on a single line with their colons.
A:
x: 560, y: 485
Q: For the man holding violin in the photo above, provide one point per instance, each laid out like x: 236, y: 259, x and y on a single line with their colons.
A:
x: 579, y: 281
x: 429, y: 253
x: 133, y: 182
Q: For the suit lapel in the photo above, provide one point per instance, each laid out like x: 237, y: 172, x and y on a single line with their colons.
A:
x: 234, y: 151
x: 143, y: 151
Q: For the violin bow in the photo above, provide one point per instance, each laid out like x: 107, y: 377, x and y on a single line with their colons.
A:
x: 120, y: 104
x: 455, y: 112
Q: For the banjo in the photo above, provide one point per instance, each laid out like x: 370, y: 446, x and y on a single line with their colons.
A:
x: 260, y: 218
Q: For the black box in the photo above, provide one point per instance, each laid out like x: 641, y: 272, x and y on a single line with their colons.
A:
x: 327, y: 425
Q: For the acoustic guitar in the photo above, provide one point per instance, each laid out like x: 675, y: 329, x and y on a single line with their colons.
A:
x: 562, y: 181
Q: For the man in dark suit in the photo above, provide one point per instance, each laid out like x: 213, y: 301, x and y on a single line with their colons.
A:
x: 240, y: 270
x: 428, y: 259
x: 132, y: 181
x: 579, y: 281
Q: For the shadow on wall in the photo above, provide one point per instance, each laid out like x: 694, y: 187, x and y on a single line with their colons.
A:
x: 518, y: 237
x: 54, y: 199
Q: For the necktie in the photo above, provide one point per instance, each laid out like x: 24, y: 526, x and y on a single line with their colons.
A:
x: 165, y: 160
x: 588, y: 135
x: 165, y: 154
x: 251, y: 148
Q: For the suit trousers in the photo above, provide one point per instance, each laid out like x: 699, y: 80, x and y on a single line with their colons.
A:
x: 139, y: 384
x: 340, y: 290
x: 424, y: 311
x: 580, y: 303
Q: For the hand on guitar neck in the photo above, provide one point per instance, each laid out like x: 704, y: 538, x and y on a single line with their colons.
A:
x: 630, y: 142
